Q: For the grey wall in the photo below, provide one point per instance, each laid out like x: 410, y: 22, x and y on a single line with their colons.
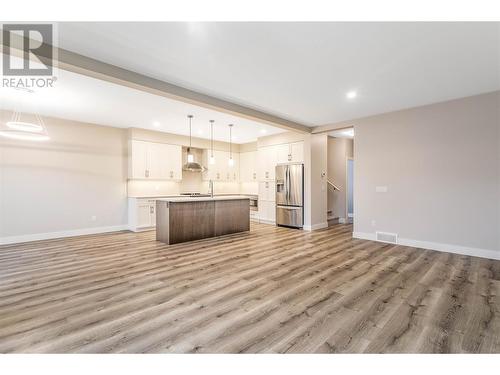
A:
x: 441, y: 165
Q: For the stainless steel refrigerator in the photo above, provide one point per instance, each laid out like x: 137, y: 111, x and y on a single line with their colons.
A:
x: 290, y: 195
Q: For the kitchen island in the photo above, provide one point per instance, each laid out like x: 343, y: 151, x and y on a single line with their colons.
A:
x: 183, y: 219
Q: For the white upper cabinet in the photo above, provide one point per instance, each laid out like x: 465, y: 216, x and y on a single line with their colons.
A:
x: 248, y: 166
x: 221, y: 170
x: 233, y: 171
x: 290, y: 152
x: 270, y: 156
x: 138, y: 159
x: 297, y: 152
x: 267, y: 159
x: 155, y: 161
x: 283, y: 153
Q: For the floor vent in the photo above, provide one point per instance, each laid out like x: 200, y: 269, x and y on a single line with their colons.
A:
x: 387, y: 237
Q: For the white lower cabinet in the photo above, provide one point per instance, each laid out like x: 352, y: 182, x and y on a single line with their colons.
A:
x: 267, y: 205
x: 141, y: 214
x: 267, y: 212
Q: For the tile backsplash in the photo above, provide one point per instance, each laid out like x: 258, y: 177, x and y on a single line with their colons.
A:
x: 192, y: 182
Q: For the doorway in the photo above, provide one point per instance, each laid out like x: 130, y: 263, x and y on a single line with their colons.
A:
x: 350, y: 189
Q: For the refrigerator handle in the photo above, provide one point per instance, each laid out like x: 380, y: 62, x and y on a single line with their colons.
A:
x: 288, y: 185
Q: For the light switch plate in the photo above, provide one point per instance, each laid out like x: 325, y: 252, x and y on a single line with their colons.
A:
x: 381, y: 189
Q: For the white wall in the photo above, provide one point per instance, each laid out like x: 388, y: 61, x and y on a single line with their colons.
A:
x: 75, y: 181
x: 319, y: 161
x: 441, y: 165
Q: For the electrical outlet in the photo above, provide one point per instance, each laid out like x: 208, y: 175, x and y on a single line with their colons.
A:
x: 93, y: 218
x: 374, y: 223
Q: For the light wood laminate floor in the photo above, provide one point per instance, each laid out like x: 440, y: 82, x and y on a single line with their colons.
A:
x: 268, y: 290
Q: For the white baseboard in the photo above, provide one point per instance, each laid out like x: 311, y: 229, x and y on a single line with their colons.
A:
x: 443, y: 247
x: 61, y: 234
x: 264, y: 221
x: 316, y: 226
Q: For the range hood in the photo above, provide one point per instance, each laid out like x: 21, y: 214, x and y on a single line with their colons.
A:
x: 193, y: 167
x: 191, y: 164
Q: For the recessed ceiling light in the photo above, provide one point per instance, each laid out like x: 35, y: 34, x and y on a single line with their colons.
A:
x: 200, y: 132
x: 263, y: 131
x: 351, y: 94
x: 156, y: 124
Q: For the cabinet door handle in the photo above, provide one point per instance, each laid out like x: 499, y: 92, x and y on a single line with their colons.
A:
x: 151, y: 209
x: 146, y: 173
x: 254, y: 175
x: 171, y: 174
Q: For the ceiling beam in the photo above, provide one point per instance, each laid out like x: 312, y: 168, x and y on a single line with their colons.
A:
x: 330, y: 127
x: 87, y: 66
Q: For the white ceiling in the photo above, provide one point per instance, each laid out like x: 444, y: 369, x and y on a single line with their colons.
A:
x: 302, y: 71
x: 86, y: 99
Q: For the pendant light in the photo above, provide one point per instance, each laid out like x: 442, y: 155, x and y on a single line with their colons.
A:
x: 25, y: 131
x: 231, y: 161
x: 212, y: 157
x: 190, y: 156
x: 191, y: 165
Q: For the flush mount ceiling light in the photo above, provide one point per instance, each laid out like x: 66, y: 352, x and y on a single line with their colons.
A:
x: 23, y: 136
x: 156, y: 124
x: 25, y: 126
x: 25, y: 131
x: 231, y: 160
x: 212, y: 158
x: 351, y: 95
x: 348, y: 132
x: 263, y: 131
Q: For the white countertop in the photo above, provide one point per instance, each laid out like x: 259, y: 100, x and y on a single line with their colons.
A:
x: 186, y: 196
x: 202, y: 199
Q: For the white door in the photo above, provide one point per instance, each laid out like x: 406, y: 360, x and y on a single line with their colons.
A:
x: 140, y: 159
